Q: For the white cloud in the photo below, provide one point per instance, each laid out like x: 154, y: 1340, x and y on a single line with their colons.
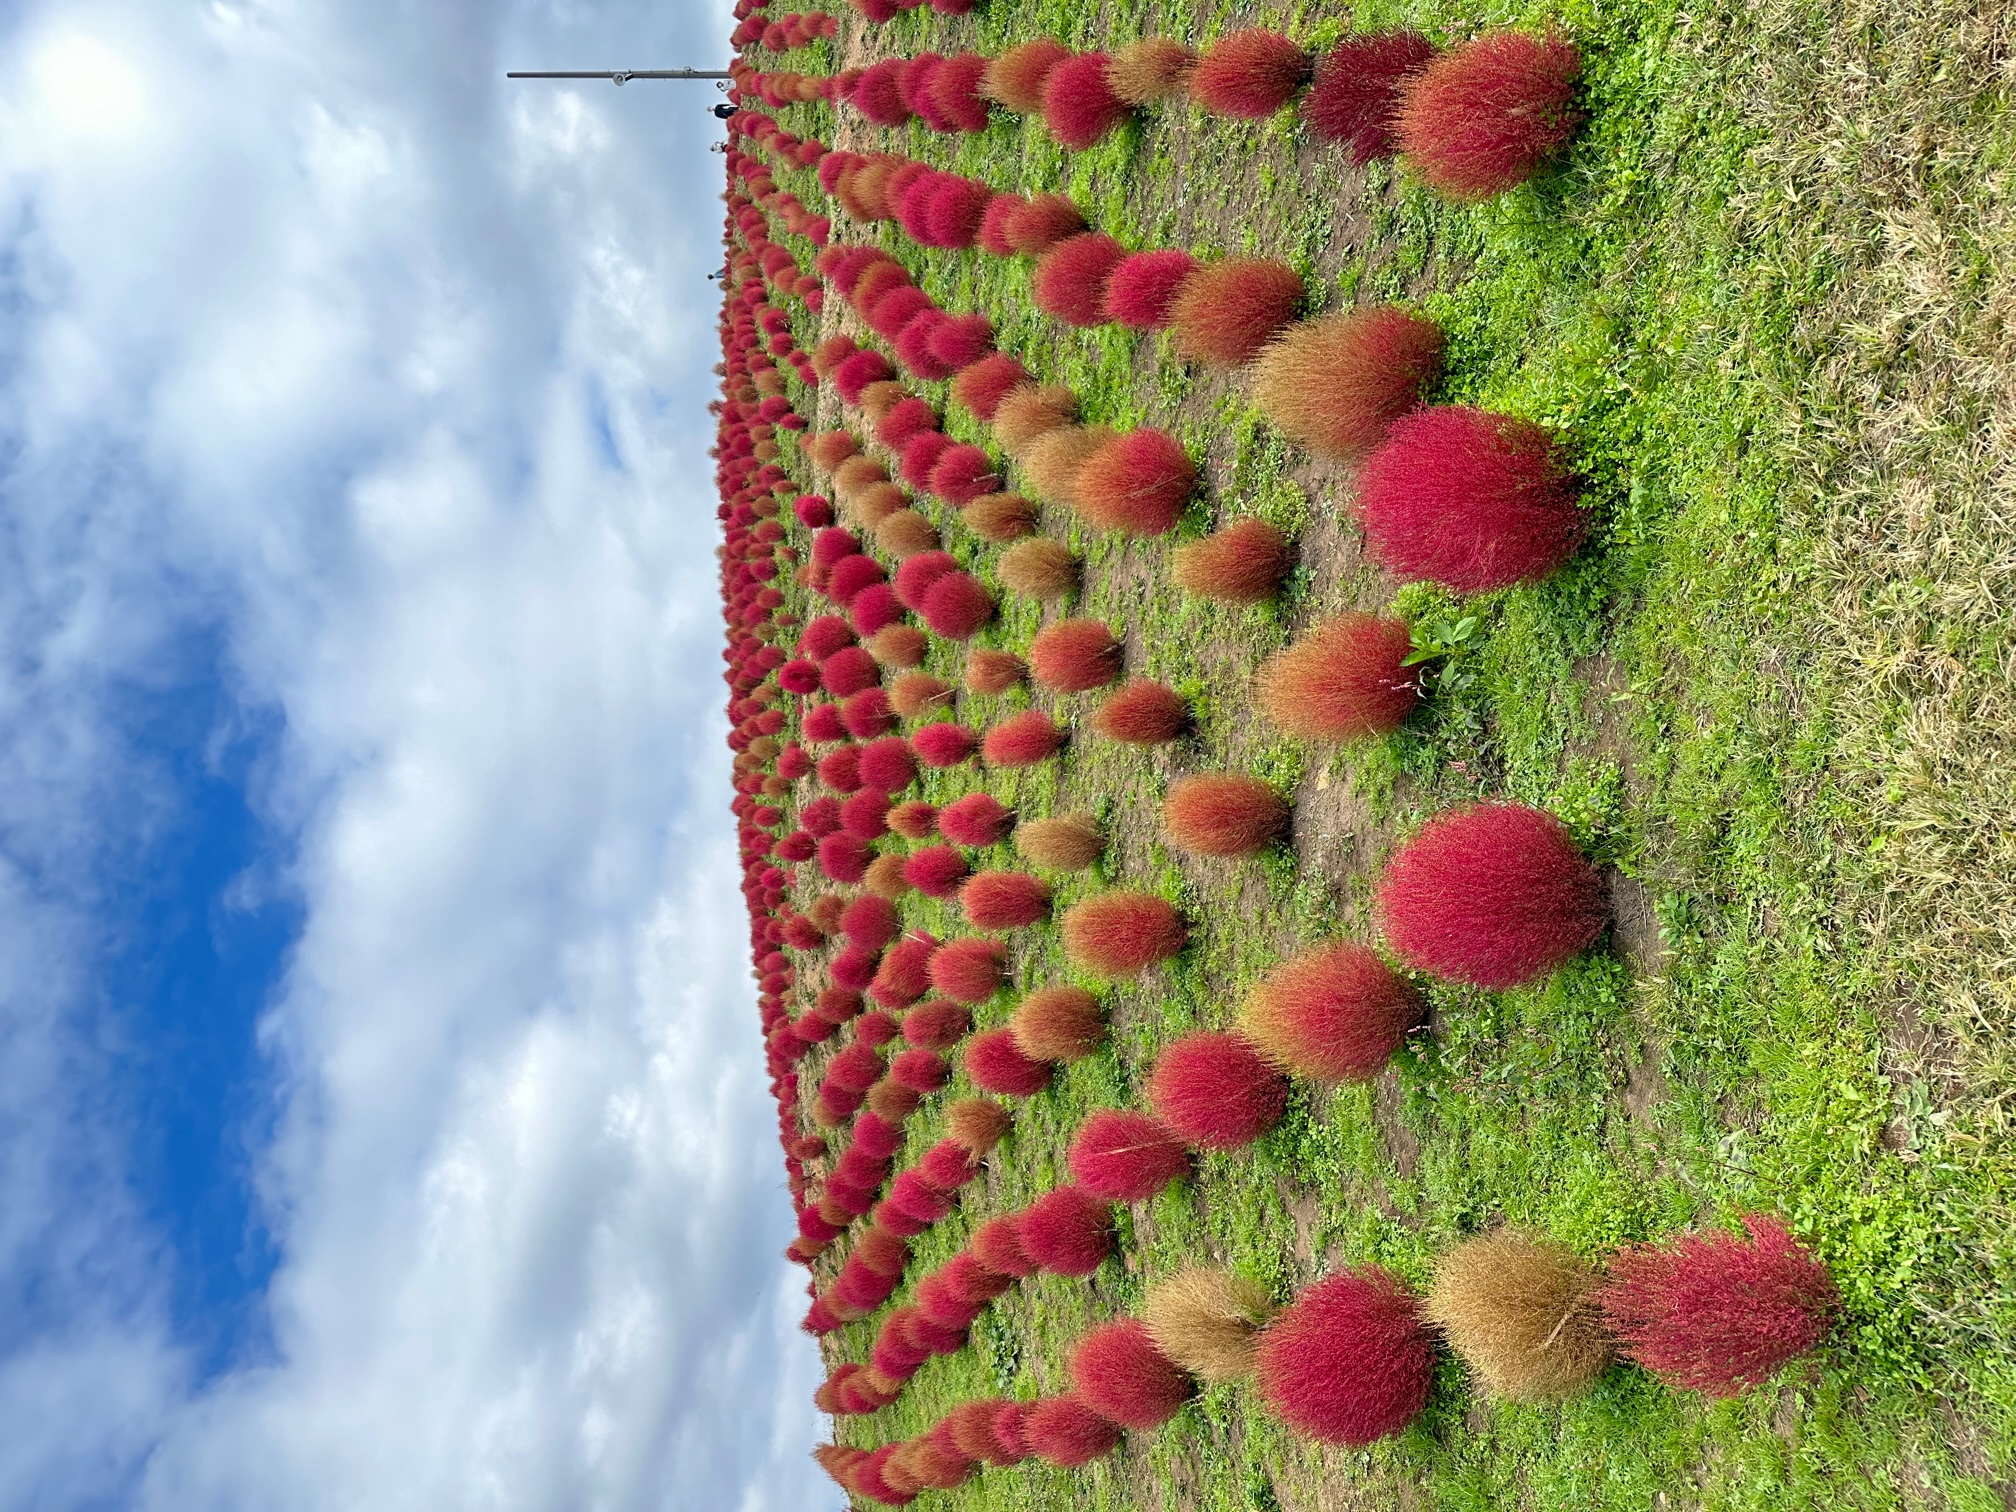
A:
x: 299, y: 348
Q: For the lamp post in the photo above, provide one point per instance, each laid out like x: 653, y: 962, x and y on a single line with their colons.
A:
x: 621, y: 76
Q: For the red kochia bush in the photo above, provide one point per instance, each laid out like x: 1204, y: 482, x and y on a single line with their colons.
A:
x: 1126, y: 1156
x: 1222, y: 814
x: 1334, y: 1013
x: 1067, y: 1231
x: 886, y: 765
x: 920, y: 1070
x: 968, y: 970
x: 1345, y: 679
x: 1121, y: 934
x: 1118, y: 1372
x: 1717, y: 1312
x: 1356, y: 95
x: 870, y: 923
x: 1144, y: 712
x: 944, y: 745
x: 1348, y: 1361
x: 843, y: 858
x: 1227, y: 311
x: 1075, y: 655
x: 1249, y: 74
x: 1483, y: 117
x: 1141, y: 289
x: 978, y: 819
x: 1063, y: 1431
x: 850, y: 669
x: 904, y: 975
x: 1070, y: 281
x: 1469, y: 498
x: 938, y: 1024
x: 1138, y: 483
x: 982, y: 386
x: 1493, y: 894
x: 1004, y: 900
x: 997, y: 1244
x: 1079, y: 105
x: 996, y: 1064
x: 866, y: 817
x: 957, y: 605
x: 1022, y: 740
x: 1217, y: 1091
x: 936, y: 871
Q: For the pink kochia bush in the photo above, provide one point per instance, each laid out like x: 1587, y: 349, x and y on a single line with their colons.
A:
x: 1022, y: 740
x: 977, y: 819
x: 1137, y: 483
x: 1222, y: 814
x: 1470, y: 499
x: 1718, y: 1312
x: 1117, y: 1371
x: 996, y: 1064
x: 1067, y: 1231
x: 1141, y: 289
x: 1348, y: 1361
x: 1004, y: 900
x: 1217, y: 1091
x: 1492, y: 894
x: 1066, y: 1432
x: 1249, y: 74
x: 1079, y: 105
x: 968, y: 970
x: 1334, y: 1013
x: 1070, y: 281
x: 936, y: 871
x: 1075, y: 656
x: 1122, y: 934
x: 1356, y: 96
x: 1482, y: 118
x: 1345, y: 679
x: 1125, y: 1156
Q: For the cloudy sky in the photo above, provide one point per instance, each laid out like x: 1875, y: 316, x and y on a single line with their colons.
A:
x: 382, y: 1119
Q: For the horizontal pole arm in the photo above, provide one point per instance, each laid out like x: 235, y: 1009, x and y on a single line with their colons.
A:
x: 624, y: 75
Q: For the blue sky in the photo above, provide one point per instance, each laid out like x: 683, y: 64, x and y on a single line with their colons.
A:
x: 382, y: 1114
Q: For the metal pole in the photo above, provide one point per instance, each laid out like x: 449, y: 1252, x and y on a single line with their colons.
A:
x: 625, y: 75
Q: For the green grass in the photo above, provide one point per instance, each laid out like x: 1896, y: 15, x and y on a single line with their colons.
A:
x: 1766, y: 300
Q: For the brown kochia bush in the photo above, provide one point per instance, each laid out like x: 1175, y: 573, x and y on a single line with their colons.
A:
x: 1151, y: 70
x: 1065, y: 842
x: 1039, y: 568
x: 1031, y: 411
x: 1335, y: 383
x: 1227, y: 311
x: 906, y: 533
x: 1001, y: 517
x: 1015, y: 79
x: 1053, y: 461
x: 1204, y: 1319
x: 1058, y: 1024
x: 1522, y: 1313
x: 977, y: 1123
x: 1243, y: 563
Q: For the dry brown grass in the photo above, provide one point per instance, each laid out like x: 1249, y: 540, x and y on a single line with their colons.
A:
x: 1204, y: 1319
x: 1522, y: 1314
